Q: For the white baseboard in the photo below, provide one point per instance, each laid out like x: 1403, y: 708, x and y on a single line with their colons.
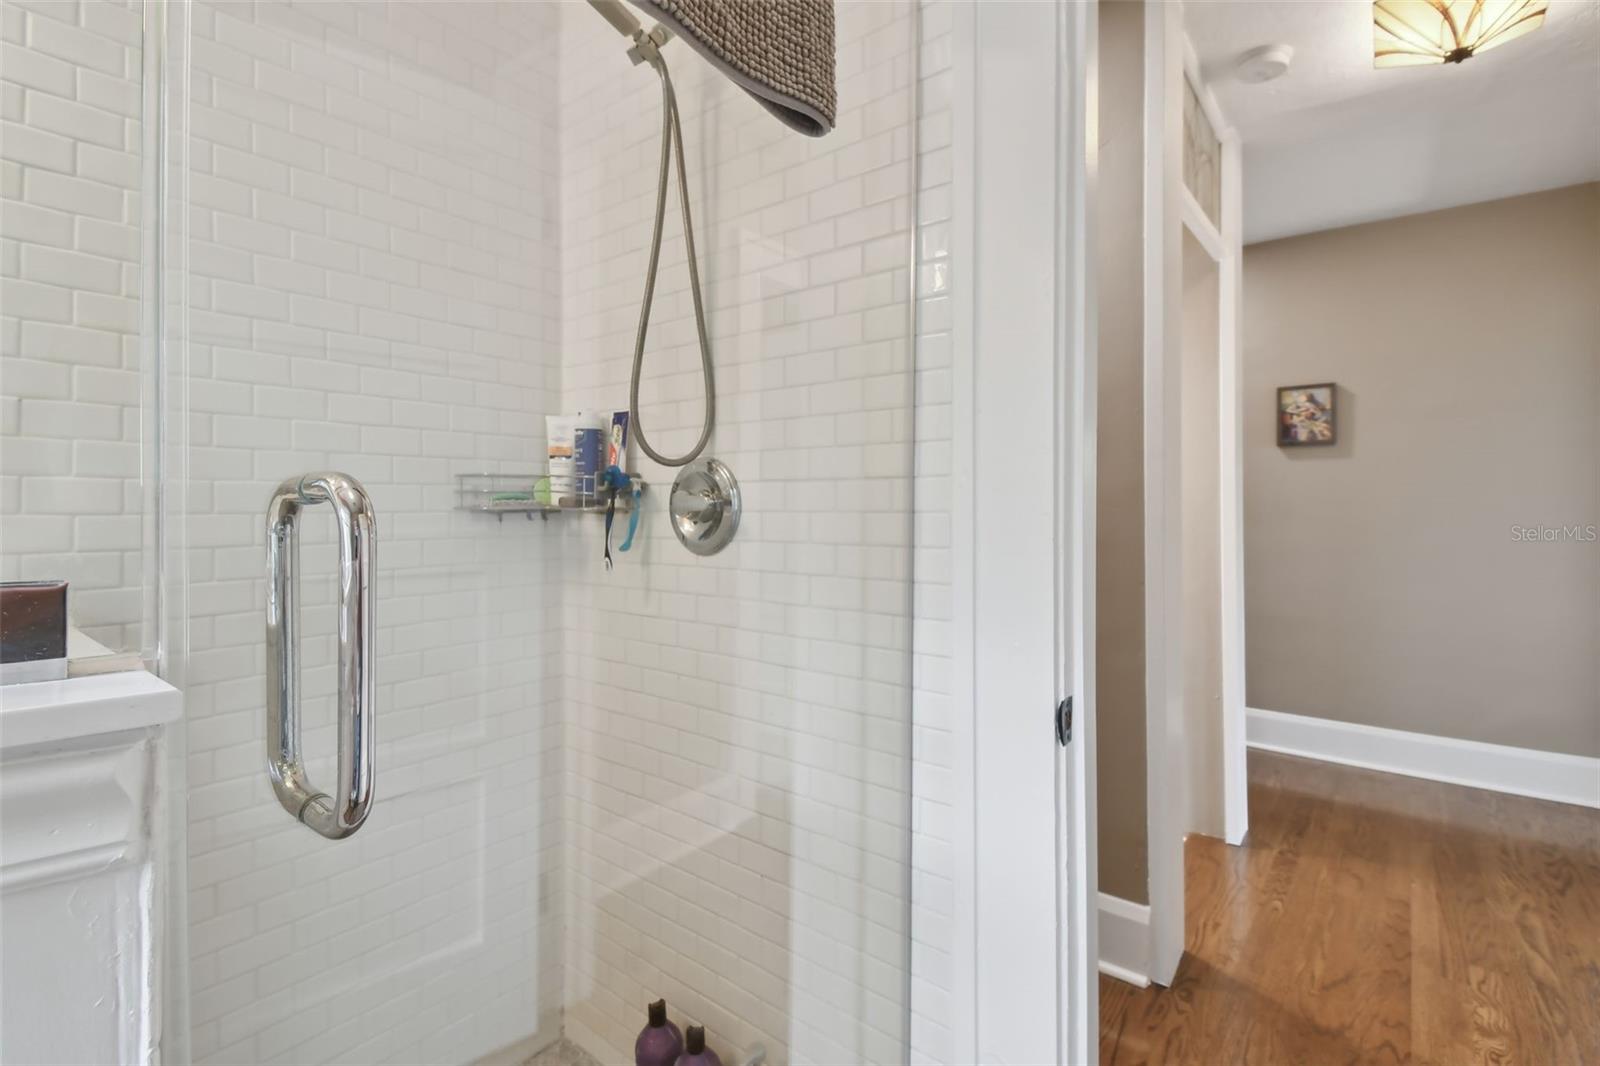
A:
x: 1125, y: 940
x: 1519, y: 771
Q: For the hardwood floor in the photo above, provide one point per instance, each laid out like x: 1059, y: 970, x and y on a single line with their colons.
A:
x: 1371, y: 918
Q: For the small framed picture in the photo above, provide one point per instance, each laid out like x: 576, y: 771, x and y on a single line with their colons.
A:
x: 1307, y: 415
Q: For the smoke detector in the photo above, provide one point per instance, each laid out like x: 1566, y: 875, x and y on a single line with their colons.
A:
x: 1264, y: 64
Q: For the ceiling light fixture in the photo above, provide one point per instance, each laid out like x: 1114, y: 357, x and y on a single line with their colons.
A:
x: 1409, y: 33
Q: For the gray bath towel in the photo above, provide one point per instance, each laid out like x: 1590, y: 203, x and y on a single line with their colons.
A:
x: 779, y: 51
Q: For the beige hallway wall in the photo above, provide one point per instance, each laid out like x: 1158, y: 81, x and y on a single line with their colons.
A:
x: 1119, y: 567
x: 1391, y: 579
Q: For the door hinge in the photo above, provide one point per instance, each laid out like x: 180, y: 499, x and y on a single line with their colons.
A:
x: 1064, y: 721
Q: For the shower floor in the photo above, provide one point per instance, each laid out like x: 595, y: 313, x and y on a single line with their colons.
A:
x: 563, y: 1053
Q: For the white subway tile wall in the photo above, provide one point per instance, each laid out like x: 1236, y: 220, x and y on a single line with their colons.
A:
x: 70, y: 151
x: 373, y: 248
x: 738, y: 727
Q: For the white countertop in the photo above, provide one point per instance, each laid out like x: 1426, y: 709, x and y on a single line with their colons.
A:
x: 45, y: 712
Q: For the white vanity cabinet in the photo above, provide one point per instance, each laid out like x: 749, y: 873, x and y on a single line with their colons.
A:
x: 83, y: 864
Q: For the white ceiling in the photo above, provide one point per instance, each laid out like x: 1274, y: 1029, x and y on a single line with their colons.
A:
x: 1336, y: 142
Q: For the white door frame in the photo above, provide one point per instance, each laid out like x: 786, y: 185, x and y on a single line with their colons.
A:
x: 1230, y: 398
x: 1076, y: 493
x: 1165, y: 785
x: 1024, y: 984
x: 1225, y: 246
x: 1170, y: 209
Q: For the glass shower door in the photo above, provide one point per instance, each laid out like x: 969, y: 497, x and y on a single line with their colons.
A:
x: 414, y: 231
x: 371, y: 192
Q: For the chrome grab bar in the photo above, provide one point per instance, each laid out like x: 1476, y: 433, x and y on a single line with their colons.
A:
x: 340, y: 814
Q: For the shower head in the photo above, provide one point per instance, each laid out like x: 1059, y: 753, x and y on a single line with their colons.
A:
x: 646, y: 46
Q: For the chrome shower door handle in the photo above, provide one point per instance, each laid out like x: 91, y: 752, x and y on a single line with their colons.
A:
x: 341, y: 812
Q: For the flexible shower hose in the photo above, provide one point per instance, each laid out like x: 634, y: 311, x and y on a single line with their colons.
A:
x: 671, y: 136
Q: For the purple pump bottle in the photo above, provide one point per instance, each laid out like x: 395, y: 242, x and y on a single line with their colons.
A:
x: 660, y: 1042
x: 695, y: 1052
